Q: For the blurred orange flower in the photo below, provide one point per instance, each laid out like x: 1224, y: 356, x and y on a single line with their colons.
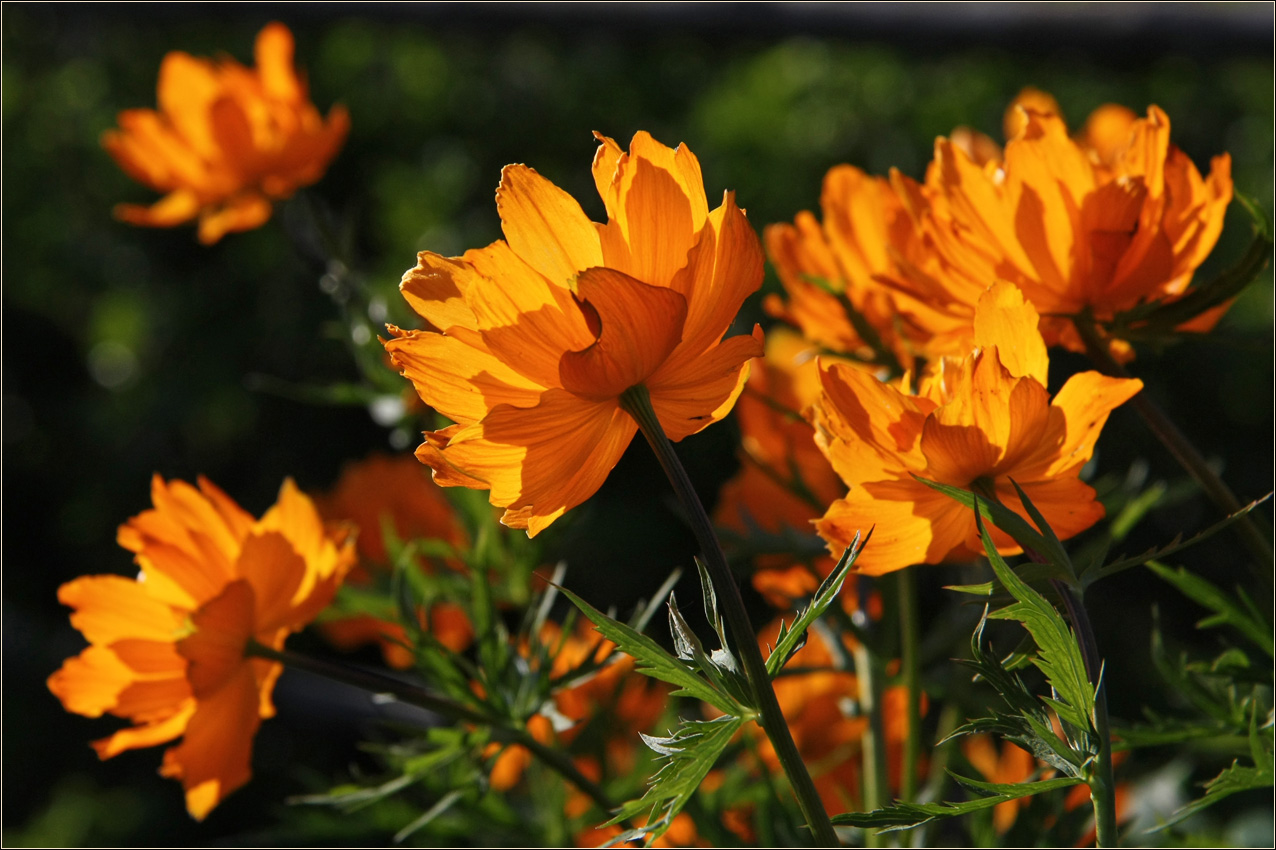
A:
x: 226, y: 141
x: 785, y: 482
x: 828, y: 736
x: 535, y: 337
x: 1112, y: 220
x: 167, y: 649
x: 397, y: 491
x: 977, y: 423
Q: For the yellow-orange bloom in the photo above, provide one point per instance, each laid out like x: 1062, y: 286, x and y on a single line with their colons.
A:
x: 977, y: 423
x: 536, y: 337
x: 226, y: 141
x: 167, y: 649
x: 397, y: 491
x: 866, y: 255
x: 1112, y: 220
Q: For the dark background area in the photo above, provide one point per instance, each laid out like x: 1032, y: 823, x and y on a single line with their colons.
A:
x: 131, y: 351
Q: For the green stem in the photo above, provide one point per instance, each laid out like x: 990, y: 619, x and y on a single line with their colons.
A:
x: 1101, y: 780
x: 910, y: 640
x: 413, y: 695
x: 1178, y: 445
x: 637, y: 403
x: 873, y: 745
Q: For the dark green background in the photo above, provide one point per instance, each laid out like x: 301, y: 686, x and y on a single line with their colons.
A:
x: 768, y: 96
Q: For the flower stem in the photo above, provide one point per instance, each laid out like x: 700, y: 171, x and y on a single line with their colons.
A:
x: 637, y: 403
x: 1101, y: 781
x: 1178, y: 445
x: 873, y: 744
x: 910, y: 639
x: 412, y: 695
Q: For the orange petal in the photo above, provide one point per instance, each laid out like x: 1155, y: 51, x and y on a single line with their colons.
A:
x: 639, y: 326
x: 214, y: 756
x: 149, y: 735
x: 724, y: 268
x: 222, y: 628
x: 1086, y: 400
x: 1003, y: 319
x: 525, y: 321
x: 545, y: 226
x: 243, y: 213
x: 273, y: 52
x: 542, y: 461
x: 175, y: 208
x: 691, y: 398
x: 111, y: 608
x: 656, y: 219
x: 456, y: 379
x: 435, y: 288
x: 91, y: 682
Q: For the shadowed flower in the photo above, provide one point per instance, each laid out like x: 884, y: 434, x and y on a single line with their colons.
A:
x: 167, y: 649
x: 866, y: 258
x: 226, y: 141
x: 1118, y: 218
x: 535, y: 338
x: 977, y: 423
x: 394, y: 494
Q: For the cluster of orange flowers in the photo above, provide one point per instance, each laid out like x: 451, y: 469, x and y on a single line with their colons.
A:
x: 532, y: 345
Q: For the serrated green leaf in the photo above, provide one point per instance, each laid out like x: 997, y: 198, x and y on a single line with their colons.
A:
x: 1092, y: 575
x: 791, y: 638
x: 1059, y: 655
x: 1231, y: 781
x: 1227, y: 611
x: 686, y: 757
x: 904, y: 815
x: 651, y: 660
x: 984, y: 589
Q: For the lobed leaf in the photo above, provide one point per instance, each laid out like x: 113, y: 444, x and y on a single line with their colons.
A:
x: 905, y: 815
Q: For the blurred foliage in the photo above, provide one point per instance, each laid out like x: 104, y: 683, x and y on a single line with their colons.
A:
x: 130, y: 351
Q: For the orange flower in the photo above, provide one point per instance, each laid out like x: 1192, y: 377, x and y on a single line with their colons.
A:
x: 167, y: 649
x: 978, y: 423
x: 1105, y: 223
x: 396, y: 490
x: 536, y: 337
x: 868, y: 256
x: 226, y: 140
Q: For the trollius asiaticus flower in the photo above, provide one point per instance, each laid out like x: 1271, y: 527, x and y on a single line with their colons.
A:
x: 534, y: 338
x: 979, y: 422
x: 167, y: 649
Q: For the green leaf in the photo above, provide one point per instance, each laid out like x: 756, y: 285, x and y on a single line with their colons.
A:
x: 1059, y: 656
x: 1231, y: 781
x: 653, y: 661
x: 719, y: 668
x: 1092, y: 575
x: 904, y: 815
x: 792, y: 638
x: 1044, y: 544
x: 1227, y: 611
x: 687, y: 756
x: 445, y: 803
